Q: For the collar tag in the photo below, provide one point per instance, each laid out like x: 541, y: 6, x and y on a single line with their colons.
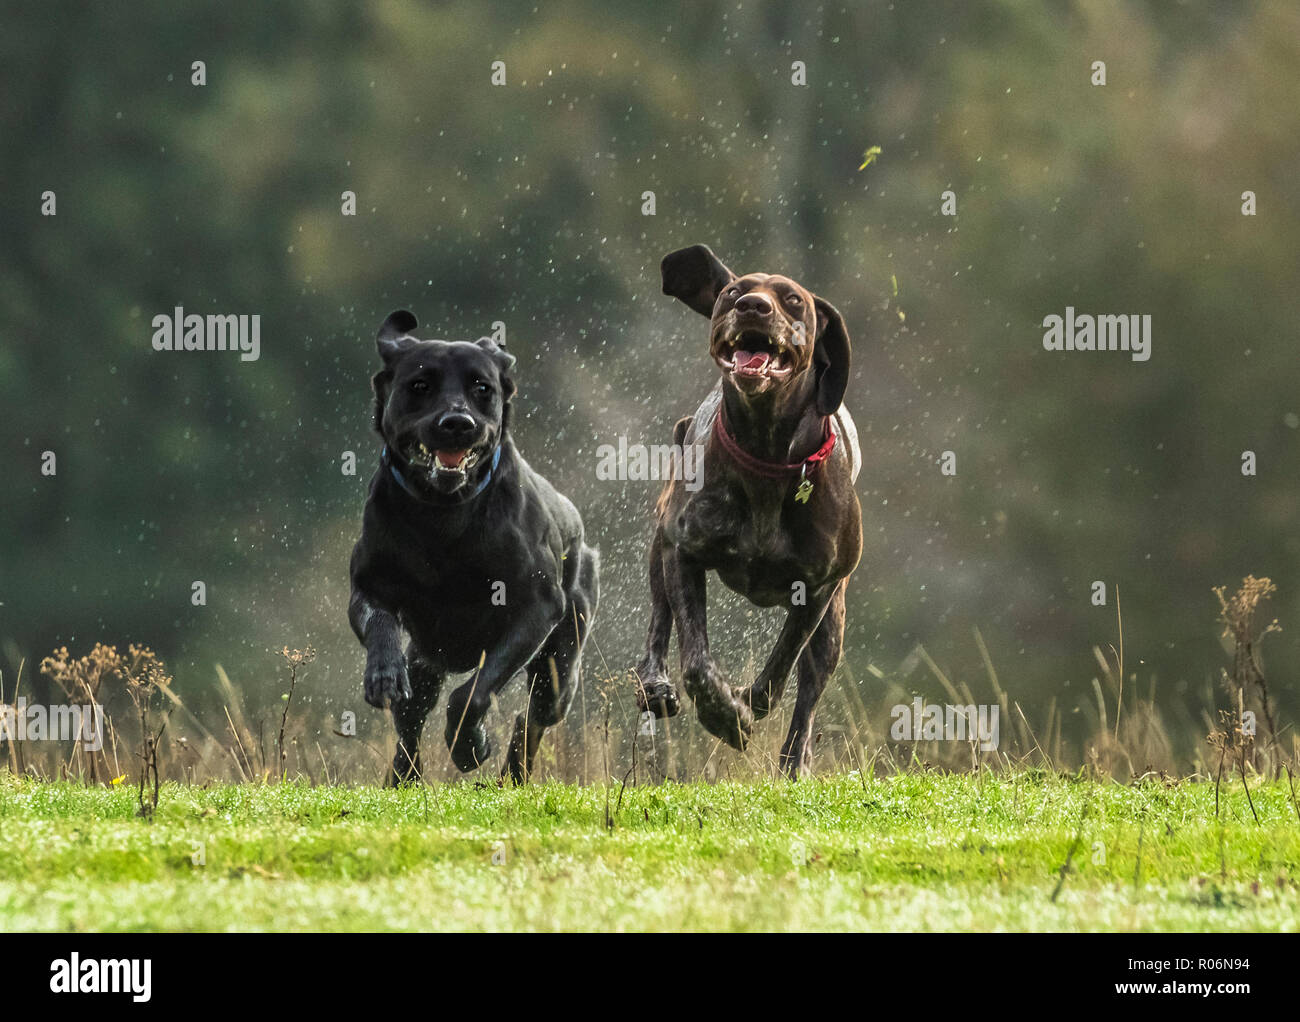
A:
x: 776, y: 469
x: 805, y: 489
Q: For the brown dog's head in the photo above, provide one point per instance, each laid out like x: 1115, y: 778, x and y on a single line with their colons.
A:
x: 766, y: 330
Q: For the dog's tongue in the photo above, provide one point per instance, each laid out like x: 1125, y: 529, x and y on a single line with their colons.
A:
x: 751, y: 360
x: 451, y: 459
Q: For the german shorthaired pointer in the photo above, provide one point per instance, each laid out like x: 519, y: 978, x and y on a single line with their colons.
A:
x: 776, y: 517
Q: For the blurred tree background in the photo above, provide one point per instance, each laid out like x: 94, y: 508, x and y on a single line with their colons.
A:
x: 522, y: 203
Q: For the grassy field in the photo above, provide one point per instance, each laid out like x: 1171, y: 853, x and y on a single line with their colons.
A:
x: 914, y: 851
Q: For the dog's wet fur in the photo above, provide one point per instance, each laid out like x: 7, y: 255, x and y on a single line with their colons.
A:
x: 466, y: 550
x: 784, y: 354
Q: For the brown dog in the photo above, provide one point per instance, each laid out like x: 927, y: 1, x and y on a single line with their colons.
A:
x: 776, y: 515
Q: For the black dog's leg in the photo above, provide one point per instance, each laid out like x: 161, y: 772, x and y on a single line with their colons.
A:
x: 553, y: 673
x: 467, y: 705
x: 386, y: 680
x: 408, y: 718
x: 800, y: 626
x: 721, y: 713
x: 654, y: 691
x: 816, y: 664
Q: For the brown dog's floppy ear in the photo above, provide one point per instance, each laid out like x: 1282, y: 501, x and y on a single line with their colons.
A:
x: 695, y: 276
x: 831, y: 358
x: 398, y: 325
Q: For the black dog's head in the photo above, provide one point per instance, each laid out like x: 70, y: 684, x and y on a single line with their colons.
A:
x: 767, y: 332
x: 442, y: 407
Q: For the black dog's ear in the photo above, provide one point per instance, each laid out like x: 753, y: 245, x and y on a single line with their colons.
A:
x: 831, y: 357
x: 505, y: 364
x: 380, y: 383
x: 396, y: 327
x: 393, y: 336
x: 503, y: 358
x: 695, y: 276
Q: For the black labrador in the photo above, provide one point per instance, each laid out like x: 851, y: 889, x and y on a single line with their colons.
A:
x: 776, y: 515
x: 468, y: 551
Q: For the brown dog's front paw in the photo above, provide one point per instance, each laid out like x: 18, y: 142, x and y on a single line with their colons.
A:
x: 657, y: 696
x: 721, y: 713
x: 796, y: 757
x: 731, y: 721
x: 758, y: 698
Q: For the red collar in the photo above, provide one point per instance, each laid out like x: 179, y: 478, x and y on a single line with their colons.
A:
x: 772, y: 469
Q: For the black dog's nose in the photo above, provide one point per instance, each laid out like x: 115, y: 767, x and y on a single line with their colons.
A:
x: 754, y: 303
x: 457, y: 423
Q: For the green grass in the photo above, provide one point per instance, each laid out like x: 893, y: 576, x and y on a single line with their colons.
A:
x: 920, y: 851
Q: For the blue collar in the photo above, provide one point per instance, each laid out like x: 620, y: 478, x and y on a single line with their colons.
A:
x: 397, y: 476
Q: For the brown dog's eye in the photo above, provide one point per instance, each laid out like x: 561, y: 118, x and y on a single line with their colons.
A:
x: 793, y: 300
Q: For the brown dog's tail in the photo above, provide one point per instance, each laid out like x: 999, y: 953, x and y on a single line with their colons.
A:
x: 679, y: 439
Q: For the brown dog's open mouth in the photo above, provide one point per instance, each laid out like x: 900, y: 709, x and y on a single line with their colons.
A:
x: 753, y: 354
x: 453, y: 461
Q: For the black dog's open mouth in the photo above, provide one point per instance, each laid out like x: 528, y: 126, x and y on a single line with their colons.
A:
x: 449, y: 461
x: 753, y: 353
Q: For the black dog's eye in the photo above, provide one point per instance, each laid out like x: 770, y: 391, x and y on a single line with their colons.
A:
x: 481, y: 389
x: 419, y: 386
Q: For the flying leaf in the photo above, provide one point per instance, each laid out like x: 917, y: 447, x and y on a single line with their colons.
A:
x: 869, y: 157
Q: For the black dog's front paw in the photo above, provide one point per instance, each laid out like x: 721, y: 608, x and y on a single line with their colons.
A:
x: 471, y: 749
x: 656, y: 694
x: 466, y: 736
x: 386, y: 680
x: 404, y: 772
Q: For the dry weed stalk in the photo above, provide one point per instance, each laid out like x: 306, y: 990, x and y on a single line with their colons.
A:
x: 80, y: 680
x: 143, y: 676
x: 1239, y: 615
x: 1232, y: 737
x: 146, y: 678
x: 294, y: 659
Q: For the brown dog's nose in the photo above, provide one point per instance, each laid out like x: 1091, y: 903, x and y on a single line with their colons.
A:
x: 755, y: 304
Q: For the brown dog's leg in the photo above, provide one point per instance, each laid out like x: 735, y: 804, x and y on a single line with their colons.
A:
x: 816, y: 664
x: 654, y: 691
x: 800, y: 626
x: 721, y: 713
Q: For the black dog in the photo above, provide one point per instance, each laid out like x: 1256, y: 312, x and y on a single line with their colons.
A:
x: 468, y: 550
x: 776, y: 515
